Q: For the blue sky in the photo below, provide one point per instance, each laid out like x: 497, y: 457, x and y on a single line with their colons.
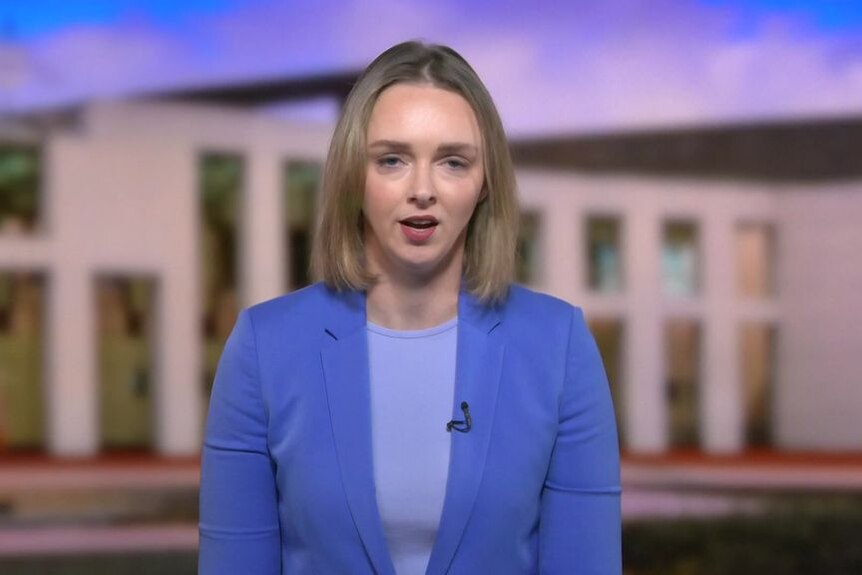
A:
x: 551, y: 66
x: 38, y: 18
x: 31, y: 19
x: 823, y: 15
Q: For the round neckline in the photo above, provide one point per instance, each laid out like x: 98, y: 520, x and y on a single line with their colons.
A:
x: 411, y: 333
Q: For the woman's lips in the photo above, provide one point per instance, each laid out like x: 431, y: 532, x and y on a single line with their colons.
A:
x: 417, y: 235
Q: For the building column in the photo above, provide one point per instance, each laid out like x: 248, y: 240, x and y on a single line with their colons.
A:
x: 646, y: 406
x: 721, y: 405
x: 178, y: 400
x: 562, y: 234
x: 263, y: 262
x: 71, y: 378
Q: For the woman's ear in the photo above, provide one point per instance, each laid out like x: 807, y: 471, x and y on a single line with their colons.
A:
x: 483, y: 194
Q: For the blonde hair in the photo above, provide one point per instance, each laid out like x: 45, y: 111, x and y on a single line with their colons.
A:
x: 338, y: 256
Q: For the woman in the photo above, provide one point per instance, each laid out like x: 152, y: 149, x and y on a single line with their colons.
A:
x: 414, y: 411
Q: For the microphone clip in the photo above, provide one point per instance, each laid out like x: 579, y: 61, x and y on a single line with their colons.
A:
x: 461, y: 425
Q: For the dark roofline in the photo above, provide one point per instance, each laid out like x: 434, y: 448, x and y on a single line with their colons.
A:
x: 790, y: 150
x: 264, y: 91
x: 813, y: 149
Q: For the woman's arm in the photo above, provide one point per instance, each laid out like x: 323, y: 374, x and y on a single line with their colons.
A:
x: 239, y: 528
x: 580, y: 529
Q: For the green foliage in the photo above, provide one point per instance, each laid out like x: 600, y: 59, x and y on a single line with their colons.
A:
x: 802, y: 536
x: 173, y: 563
x: 221, y: 185
x: 19, y: 183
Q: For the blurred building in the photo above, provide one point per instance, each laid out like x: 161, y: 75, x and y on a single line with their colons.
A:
x: 718, y: 267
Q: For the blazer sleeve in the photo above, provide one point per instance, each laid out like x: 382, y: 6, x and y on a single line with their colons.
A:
x: 238, y: 526
x: 580, y: 521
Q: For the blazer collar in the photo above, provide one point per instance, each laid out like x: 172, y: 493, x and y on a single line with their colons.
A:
x: 478, y: 367
x: 348, y: 311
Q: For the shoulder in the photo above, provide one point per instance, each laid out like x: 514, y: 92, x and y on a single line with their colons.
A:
x: 300, y: 309
x: 311, y: 295
x: 525, y: 304
x: 530, y: 315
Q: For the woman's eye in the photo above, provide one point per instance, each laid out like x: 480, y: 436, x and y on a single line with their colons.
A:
x: 388, y: 161
x: 456, y: 163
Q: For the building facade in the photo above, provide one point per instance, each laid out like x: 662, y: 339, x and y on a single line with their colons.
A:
x: 131, y: 233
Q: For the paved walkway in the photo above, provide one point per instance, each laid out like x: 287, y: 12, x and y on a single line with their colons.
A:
x: 124, y: 471
x: 763, y: 471
x: 73, y: 540
x: 766, y: 471
x: 667, y: 486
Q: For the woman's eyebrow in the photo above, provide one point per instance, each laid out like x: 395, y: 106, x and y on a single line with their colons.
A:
x: 390, y: 144
x: 446, y: 148
x: 457, y: 148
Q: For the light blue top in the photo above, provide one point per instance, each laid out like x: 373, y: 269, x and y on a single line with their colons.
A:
x: 412, y: 382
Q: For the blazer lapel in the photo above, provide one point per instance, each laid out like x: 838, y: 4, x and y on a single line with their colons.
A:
x: 345, y: 368
x: 478, y: 368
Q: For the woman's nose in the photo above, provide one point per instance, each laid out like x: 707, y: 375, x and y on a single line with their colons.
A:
x: 422, y: 190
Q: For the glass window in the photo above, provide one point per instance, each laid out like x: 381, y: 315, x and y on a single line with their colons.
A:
x: 608, y: 334
x: 19, y: 189
x: 126, y: 310
x: 758, y: 372
x: 604, y: 254
x: 680, y: 259
x: 527, y: 268
x: 755, y: 260
x: 221, y: 182
x: 682, y: 372
x: 22, y: 308
x: 302, y: 182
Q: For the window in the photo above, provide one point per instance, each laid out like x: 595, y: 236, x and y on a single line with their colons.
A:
x: 22, y: 309
x: 755, y: 259
x: 221, y: 181
x: 608, y: 334
x: 682, y: 372
x: 302, y: 182
x: 680, y: 254
x: 527, y: 266
x: 758, y: 364
x: 19, y: 189
x: 126, y: 311
x: 604, y: 254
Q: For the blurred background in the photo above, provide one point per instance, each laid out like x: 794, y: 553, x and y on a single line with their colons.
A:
x: 690, y: 173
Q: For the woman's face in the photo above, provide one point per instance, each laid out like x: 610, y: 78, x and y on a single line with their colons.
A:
x: 424, y: 162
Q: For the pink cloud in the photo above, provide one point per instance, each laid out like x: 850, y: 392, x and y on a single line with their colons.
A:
x: 561, y: 67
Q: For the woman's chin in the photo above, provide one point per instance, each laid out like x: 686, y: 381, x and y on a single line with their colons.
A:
x: 421, y: 268
x: 420, y: 263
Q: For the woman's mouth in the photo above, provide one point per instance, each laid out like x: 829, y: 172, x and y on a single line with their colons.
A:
x: 418, y: 229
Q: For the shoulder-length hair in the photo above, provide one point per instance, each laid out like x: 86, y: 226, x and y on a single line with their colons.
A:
x: 338, y: 256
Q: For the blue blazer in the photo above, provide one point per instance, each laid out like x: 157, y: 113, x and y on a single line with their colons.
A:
x: 287, y: 483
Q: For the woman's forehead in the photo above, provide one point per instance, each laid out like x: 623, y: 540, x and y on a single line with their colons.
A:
x: 408, y: 113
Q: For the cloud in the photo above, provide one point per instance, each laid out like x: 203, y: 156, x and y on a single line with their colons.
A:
x: 619, y: 68
x: 551, y: 67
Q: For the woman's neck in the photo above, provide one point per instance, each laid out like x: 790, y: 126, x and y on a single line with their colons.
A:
x: 402, y: 305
